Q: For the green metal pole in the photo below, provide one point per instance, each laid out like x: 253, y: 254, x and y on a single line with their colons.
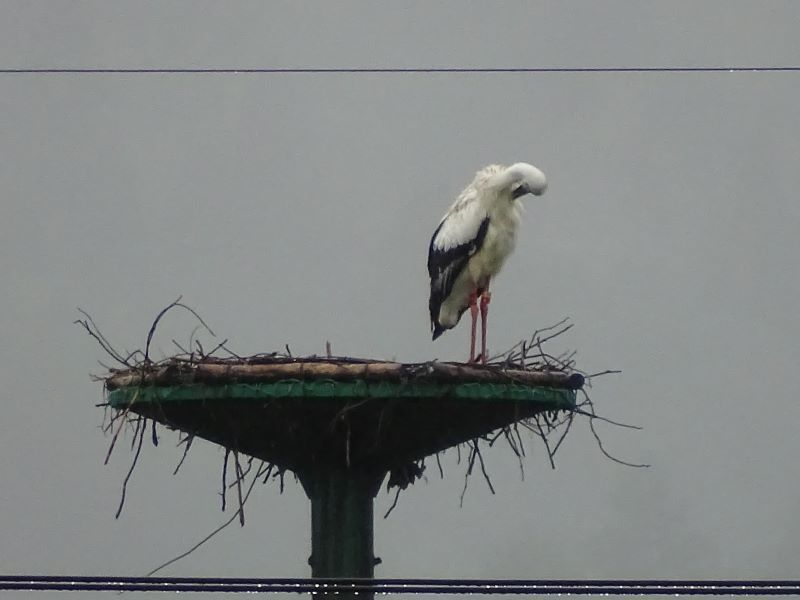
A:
x: 342, y: 522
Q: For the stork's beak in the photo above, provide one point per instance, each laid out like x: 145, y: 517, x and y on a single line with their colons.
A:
x: 520, y: 191
x: 524, y: 190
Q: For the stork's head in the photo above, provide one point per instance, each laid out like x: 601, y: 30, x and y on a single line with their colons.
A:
x: 521, y: 179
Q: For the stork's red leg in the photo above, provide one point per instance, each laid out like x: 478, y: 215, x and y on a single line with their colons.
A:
x: 486, y: 297
x: 473, y: 309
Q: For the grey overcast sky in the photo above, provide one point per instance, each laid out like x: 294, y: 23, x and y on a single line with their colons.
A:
x: 297, y: 209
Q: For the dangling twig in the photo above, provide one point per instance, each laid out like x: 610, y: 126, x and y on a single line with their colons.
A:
x: 483, y: 467
x: 564, y: 433
x: 543, y: 437
x: 439, y: 464
x: 268, y: 473
x: 122, y: 419
x: 239, y: 477
x: 130, y: 471
x: 394, y: 503
x: 188, y: 440
x: 224, y: 477
x: 614, y: 458
x: 210, y: 535
x: 470, y: 465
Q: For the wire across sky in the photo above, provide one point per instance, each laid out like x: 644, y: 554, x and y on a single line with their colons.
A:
x: 389, y: 70
x: 402, y: 586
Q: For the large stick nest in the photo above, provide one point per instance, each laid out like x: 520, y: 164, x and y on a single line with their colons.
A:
x: 527, y: 362
x: 181, y: 370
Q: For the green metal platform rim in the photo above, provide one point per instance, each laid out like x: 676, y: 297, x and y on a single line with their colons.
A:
x: 330, y: 389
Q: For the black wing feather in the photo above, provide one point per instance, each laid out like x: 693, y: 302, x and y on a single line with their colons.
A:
x: 444, y: 266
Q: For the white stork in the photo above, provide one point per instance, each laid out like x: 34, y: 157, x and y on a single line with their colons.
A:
x: 471, y: 243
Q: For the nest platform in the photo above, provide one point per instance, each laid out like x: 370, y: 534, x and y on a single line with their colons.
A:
x: 338, y: 413
x: 339, y: 424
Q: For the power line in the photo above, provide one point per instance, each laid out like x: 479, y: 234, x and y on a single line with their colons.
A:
x: 404, y: 586
x: 389, y: 70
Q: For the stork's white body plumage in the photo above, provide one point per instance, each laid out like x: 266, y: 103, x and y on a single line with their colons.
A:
x: 473, y: 240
